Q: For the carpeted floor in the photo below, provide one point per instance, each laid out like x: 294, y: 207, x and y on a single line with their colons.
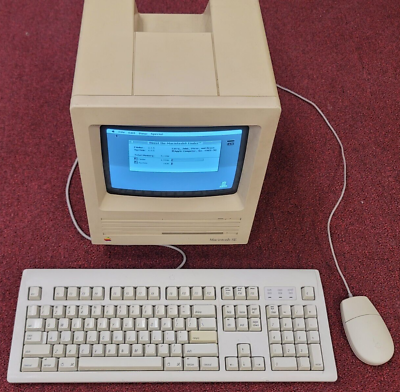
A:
x: 342, y: 54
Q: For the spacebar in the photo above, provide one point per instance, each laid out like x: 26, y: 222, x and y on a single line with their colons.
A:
x: 122, y: 363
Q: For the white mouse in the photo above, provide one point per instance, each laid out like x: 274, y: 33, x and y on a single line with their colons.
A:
x: 366, y: 331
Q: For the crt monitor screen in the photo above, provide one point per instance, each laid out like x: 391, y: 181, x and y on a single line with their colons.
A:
x: 173, y: 161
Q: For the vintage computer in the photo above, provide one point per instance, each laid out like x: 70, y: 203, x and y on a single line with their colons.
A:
x: 174, y: 117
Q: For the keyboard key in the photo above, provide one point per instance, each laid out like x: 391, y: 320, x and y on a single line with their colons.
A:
x: 147, y: 311
x: 163, y: 350
x: 35, y: 293
x: 35, y: 337
x: 46, y: 311
x: 111, y: 350
x: 242, y: 324
x: 31, y: 365
x: 257, y: 363
x: 129, y: 293
x: 124, y: 350
x: 209, y: 363
x: 60, y: 293
x: 37, y: 350
x: 298, y: 324
x: 253, y: 311
x: 240, y: 293
x: 171, y: 363
x: 98, y: 293
x: 303, y: 363
x: 207, y: 324
x: 297, y: 311
x: 191, y: 324
x: 315, y: 357
x: 229, y: 325
x: 122, y: 311
x: 85, y: 293
x: 254, y: 324
x: 284, y: 363
x: 231, y: 363
x: 227, y: 293
x: 117, y: 363
x: 273, y: 324
x: 191, y: 363
x: 182, y: 337
x: 172, y: 311
x: 204, y: 311
x: 289, y: 350
x: 184, y: 293
x: 228, y: 311
x: 311, y: 324
x: 116, y: 293
x: 301, y: 350
x: 176, y: 350
x: 72, y: 293
x: 275, y: 350
x: 184, y: 311
x: 141, y: 293
x: 59, y: 311
x: 33, y: 311
x: 154, y: 293
x: 197, y: 293
x: 68, y: 364
x: 150, y: 350
x: 72, y: 350
x: 252, y: 293
x: 49, y: 364
x: 274, y: 337
x: 35, y: 324
x: 272, y: 311
x: 137, y: 350
x: 310, y: 311
x: 244, y: 363
x: 172, y: 293
x: 312, y: 337
x: 241, y: 310
x: 307, y: 293
x: 200, y: 350
x: 286, y: 324
x: 284, y: 311
x: 203, y: 337
x: 209, y: 293
x: 287, y: 337
x: 243, y: 350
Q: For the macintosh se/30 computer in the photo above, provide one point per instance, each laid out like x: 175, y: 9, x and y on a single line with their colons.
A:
x: 174, y: 118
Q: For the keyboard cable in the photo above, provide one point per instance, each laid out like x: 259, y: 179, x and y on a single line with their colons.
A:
x: 83, y: 234
x: 344, y: 180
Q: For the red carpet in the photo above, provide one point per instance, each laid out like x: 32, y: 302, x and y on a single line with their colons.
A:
x: 344, y: 55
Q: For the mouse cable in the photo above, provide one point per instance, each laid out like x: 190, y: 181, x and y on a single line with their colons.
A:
x: 83, y: 234
x: 344, y: 180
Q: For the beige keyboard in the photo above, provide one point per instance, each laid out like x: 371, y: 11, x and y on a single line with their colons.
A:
x: 171, y: 325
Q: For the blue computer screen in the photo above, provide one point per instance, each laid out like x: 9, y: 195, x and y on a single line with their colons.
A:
x: 173, y: 162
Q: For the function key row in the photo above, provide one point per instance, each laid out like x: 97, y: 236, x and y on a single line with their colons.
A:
x: 78, y: 293
x: 135, y: 293
x: 240, y: 293
x: 190, y: 293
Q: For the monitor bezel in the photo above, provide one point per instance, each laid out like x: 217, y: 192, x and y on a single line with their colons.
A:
x: 173, y: 194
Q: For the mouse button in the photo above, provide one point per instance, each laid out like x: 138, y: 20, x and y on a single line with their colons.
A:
x: 370, y: 339
x: 355, y: 307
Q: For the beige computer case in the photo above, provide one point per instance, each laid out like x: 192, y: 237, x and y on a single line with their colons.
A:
x: 210, y: 69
